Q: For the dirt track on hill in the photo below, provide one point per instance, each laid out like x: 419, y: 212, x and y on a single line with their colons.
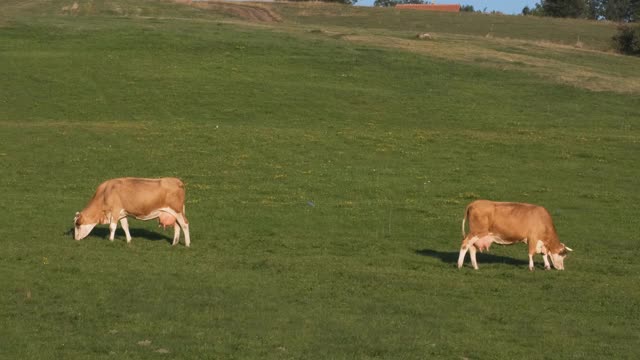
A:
x: 251, y: 12
x: 476, y: 50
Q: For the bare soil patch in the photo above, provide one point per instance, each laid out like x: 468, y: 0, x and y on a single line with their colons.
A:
x: 245, y: 11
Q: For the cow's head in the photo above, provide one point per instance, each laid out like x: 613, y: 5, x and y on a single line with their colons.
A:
x: 81, y: 226
x: 557, y: 259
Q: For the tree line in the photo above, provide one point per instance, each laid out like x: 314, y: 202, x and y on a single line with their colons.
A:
x: 627, y: 12
x: 613, y: 10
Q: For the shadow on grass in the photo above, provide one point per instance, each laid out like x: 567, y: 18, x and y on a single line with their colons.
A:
x: 451, y: 257
x: 135, y: 232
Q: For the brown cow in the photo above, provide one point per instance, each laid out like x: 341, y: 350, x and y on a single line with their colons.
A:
x: 507, y: 223
x: 143, y: 199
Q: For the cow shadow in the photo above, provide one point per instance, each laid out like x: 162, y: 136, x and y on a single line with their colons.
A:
x: 135, y: 233
x: 451, y: 257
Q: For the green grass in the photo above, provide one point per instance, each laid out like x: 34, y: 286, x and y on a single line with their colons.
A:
x: 593, y: 34
x: 326, y: 182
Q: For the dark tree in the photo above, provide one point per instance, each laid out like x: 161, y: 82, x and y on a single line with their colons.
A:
x: 635, y: 11
x: 564, y: 8
x: 385, y: 3
x: 622, y: 10
x: 536, y: 11
x: 467, y: 8
x: 617, y: 10
x: 614, y: 10
x: 627, y: 40
x: 593, y: 9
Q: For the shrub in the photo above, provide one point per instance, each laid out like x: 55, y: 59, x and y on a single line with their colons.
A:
x: 627, y: 40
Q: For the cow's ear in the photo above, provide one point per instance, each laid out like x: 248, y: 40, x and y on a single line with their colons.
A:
x: 77, y: 213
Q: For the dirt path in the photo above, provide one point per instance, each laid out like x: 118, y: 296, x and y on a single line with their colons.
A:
x: 245, y: 11
x: 480, y: 51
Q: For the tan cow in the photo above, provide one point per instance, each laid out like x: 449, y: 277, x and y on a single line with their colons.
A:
x: 507, y: 223
x: 143, y: 199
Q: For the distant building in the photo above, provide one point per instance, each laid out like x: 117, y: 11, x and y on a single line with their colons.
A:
x: 431, y: 7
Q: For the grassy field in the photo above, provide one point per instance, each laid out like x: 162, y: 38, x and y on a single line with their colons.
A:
x: 328, y: 161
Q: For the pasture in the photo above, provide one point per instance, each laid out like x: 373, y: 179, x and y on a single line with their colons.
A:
x: 328, y: 157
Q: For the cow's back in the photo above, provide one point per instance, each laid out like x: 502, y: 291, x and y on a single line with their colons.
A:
x: 513, y: 221
x: 140, y: 196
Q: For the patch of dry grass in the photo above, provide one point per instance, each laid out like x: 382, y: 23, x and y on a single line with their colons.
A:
x: 246, y: 11
x: 9, y: 9
x: 547, y: 59
x: 479, y: 51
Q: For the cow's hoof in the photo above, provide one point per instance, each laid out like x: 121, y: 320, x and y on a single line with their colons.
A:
x: 547, y: 268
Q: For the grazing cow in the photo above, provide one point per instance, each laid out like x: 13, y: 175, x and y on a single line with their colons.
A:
x: 507, y: 223
x: 144, y: 199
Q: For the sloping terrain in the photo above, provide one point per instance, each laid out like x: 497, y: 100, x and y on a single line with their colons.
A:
x: 328, y: 155
x: 249, y: 12
x: 571, y: 52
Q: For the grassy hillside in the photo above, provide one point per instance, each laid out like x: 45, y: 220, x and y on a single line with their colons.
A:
x: 328, y: 161
x: 564, y: 31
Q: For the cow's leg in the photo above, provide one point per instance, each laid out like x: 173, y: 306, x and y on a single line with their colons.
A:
x: 531, y: 266
x: 472, y: 254
x: 112, y: 229
x: 113, y: 216
x: 176, y: 234
x: 547, y: 266
x: 463, y: 253
x: 466, y: 244
x: 125, y: 226
x: 532, y: 250
x: 184, y: 224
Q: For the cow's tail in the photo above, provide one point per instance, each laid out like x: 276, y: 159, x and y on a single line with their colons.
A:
x: 464, y: 220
